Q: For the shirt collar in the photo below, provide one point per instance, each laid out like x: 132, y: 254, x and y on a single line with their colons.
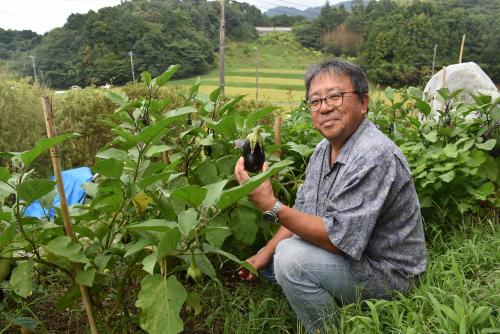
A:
x: 349, y: 144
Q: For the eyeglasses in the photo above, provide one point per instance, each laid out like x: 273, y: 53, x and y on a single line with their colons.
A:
x: 332, y: 100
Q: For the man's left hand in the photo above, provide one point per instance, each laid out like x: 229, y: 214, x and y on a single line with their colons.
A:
x: 263, y: 195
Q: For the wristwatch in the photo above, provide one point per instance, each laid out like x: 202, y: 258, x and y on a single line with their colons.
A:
x: 271, y: 216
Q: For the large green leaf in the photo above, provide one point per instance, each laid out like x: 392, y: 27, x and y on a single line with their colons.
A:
x: 158, y: 225
x: 119, y: 98
x: 7, y: 235
x: 21, y: 278
x: 165, y: 76
x: 229, y: 105
x: 225, y: 126
x: 191, y: 194
x: 109, y: 167
x: 85, y: 277
x: 217, y: 231
x: 211, y: 249
x: 42, y: 145
x: 233, y: 195
x: 188, y: 219
x: 4, y: 174
x: 214, y: 191
x: 168, y: 242
x: 487, y: 145
x: 64, y: 247
x: 30, y: 190
x: 161, y: 300
x: 113, y: 153
x: 254, y: 117
x: 207, y: 172
x: 243, y: 224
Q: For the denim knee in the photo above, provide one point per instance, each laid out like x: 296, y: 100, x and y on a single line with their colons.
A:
x: 287, y: 261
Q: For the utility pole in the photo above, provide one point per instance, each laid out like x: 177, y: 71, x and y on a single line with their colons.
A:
x: 434, y: 60
x: 257, y: 77
x: 221, y: 48
x: 34, y: 68
x: 131, y: 54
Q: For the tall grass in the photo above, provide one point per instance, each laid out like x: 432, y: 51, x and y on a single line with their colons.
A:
x: 459, y: 293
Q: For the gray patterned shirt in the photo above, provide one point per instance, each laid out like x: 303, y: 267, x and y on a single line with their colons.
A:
x: 370, y: 209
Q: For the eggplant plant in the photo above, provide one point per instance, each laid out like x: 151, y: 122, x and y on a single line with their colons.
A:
x: 156, y: 217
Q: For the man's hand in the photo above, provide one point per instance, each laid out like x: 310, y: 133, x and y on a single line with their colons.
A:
x: 258, y: 261
x: 262, y: 196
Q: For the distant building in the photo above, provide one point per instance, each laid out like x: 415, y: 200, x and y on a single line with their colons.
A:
x: 267, y: 30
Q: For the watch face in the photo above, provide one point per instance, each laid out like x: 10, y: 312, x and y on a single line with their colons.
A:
x: 269, y: 217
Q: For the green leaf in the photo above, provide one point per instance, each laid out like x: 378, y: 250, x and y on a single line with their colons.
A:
x: 24, y: 322
x: 451, y: 151
x: 136, y: 247
x: 7, y: 236
x: 214, y: 191
x: 148, y: 263
x: 233, y: 195
x: 207, y: 172
x: 487, y: 145
x: 118, y: 98
x: 31, y: 190
x: 389, y: 93
x: 194, y: 301
x: 431, y: 136
x: 4, y: 174
x: 423, y: 106
x: 110, y: 167
x: 225, y: 126
x: 448, y: 177
x: 147, y: 181
x: 168, y: 242
x: 254, y: 117
x: 226, y: 165
x: 243, y: 225
x: 188, y: 219
x: 114, y: 153
x: 64, y: 247
x: 161, y: 300
x: 304, y: 150
x: 214, y: 95
x: 146, y: 77
x: 165, y: 76
x: 191, y: 194
x: 42, y: 145
x: 21, y: 278
x: 229, y: 105
x: 85, y: 277
x: 101, y: 261
x: 205, y: 265
x: 155, y: 149
x: 217, y: 231
x: 211, y: 249
x: 158, y: 225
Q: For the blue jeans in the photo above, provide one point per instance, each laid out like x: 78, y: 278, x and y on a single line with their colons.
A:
x: 314, y: 281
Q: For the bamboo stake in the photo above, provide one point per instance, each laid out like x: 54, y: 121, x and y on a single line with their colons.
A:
x: 56, y: 164
x: 443, y: 82
x: 461, y: 49
x: 277, y: 134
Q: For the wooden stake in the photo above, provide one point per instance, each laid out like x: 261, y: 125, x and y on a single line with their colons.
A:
x: 461, y: 49
x: 221, y: 50
x: 277, y: 134
x: 443, y: 82
x: 434, y: 59
x: 56, y: 164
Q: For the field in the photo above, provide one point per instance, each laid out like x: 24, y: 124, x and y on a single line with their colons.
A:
x: 160, y: 236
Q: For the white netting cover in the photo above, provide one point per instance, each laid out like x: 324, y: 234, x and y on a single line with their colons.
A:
x: 467, y: 76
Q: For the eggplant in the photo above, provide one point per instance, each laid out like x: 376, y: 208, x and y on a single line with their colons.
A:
x: 253, y: 153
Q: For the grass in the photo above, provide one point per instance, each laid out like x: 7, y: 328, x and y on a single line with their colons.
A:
x: 459, y: 293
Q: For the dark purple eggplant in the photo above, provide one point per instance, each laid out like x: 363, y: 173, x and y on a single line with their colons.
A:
x: 253, y: 153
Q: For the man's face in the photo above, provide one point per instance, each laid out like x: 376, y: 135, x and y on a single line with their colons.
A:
x: 336, y: 124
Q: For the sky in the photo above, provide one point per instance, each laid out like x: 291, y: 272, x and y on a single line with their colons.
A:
x: 44, y: 15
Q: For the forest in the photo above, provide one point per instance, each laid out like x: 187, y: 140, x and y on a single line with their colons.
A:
x: 394, y: 41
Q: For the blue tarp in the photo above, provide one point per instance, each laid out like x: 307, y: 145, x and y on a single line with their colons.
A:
x: 72, y: 179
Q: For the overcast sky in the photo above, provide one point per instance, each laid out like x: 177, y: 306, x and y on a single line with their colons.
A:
x: 44, y: 15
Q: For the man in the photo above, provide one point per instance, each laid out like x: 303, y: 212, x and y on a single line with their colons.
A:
x: 355, y: 229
